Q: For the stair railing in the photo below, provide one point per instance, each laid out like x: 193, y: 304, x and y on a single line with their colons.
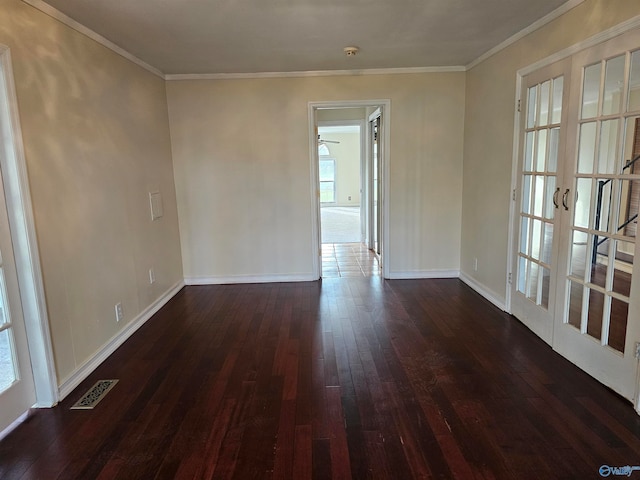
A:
x: 601, y: 185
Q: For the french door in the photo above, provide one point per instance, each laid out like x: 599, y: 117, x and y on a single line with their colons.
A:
x: 375, y: 185
x: 576, y: 283
x: 543, y: 137
x: 17, y: 392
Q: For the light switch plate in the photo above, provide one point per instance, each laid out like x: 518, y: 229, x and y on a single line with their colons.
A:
x: 155, y: 201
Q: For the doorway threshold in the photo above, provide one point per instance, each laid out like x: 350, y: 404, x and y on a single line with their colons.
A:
x: 349, y: 260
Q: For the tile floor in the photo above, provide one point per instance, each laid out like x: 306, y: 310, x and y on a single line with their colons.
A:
x: 348, y: 260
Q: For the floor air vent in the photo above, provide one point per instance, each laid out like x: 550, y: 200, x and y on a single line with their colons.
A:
x: 94, y: 395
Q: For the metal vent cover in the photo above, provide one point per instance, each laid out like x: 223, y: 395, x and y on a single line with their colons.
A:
x: 96, y: 393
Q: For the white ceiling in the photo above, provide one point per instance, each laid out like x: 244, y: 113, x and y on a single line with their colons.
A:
x: 248, y: 36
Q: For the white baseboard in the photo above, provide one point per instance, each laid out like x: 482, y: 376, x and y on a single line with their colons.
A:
x: 483, y: 291
x: 83, y: 371
x: 417, y: 274
x: 14, y: 425
x: 249, y: 279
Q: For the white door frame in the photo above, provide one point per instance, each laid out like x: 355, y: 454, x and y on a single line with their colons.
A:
x: 23, y: 235
x: 377, y: 113
x: 313, y: 107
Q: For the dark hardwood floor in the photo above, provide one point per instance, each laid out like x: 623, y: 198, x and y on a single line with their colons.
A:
x: 345, y: 378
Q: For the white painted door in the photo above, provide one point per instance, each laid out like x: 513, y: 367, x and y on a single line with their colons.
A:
x: 375, y: 183
x: 578, y: 198
x: 539, y: 213
x: 598, y: 320
x: 17, y: 393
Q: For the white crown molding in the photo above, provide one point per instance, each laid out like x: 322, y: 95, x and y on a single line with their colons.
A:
x: 70, y: 22
x: 561, y: 10
x: 316, y: 73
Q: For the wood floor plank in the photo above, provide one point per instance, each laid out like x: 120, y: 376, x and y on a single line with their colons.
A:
x: 303, y: 452
x: 338, y: 445
x: 343, y: 378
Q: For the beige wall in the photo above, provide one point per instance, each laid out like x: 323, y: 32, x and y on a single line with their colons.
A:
x: 488, y: 138
x: 341, y: 114
x: 96, y: 140
x: 243, y: 178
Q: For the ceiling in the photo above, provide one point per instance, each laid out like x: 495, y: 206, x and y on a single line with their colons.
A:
x: 250, y: 36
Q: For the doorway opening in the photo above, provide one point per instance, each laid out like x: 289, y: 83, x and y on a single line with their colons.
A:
x: 340, y: 158
x: 348, y: 162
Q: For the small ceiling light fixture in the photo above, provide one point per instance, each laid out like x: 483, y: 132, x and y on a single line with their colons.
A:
x: 351, y: 51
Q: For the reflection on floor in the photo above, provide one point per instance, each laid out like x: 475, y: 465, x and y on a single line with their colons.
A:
x: 619, y: 309
x: 348, y: 260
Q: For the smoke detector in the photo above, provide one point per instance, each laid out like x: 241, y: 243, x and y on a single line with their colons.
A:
x: 351, y: 51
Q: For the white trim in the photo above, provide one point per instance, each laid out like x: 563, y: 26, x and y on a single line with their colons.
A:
x: 550, y: 17
x: 78, y: 27
x: 25, y: 244
x: 311, y: 73
x: 479, y: 288
x: 515, y: 156
x: 375, y: 114
x: 83, y: 371
x: 13, y: 425
x: 314, y: 190
x: 418, y: 274
x: 234, y: 279
x: 386, y: 187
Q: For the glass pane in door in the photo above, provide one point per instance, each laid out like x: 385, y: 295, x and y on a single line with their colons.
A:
x: 631, y: 188
x: 618, y: 324
x: 7, y: 357
x: 7, y: 367
x: 591, y: 90
x: 605, y: 206
x: 613, y: 83
x: 539, y: 191
x: 633, y: 102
